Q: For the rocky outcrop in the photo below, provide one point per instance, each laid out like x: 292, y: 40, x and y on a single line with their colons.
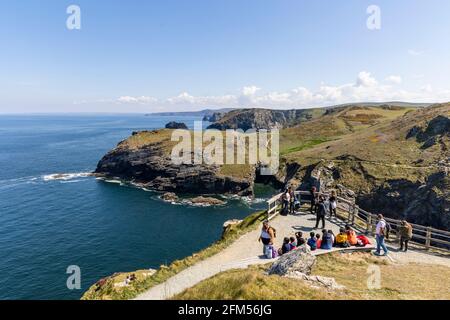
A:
x: 434, y: 131
x: 317, y: 282
x: 176, y: 125
x: 262, y: 119
x: 152, y: 168
x: 206, y: 201
x: 300, y: 260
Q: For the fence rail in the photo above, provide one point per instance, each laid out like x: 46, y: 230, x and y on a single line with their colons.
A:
x: 427, y: 237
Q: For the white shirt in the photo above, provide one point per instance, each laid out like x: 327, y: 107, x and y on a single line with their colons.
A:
x: 288, y: 196
x: 380, y: 225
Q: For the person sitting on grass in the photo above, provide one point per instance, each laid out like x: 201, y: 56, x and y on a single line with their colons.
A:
x: 342, y: 239
x: 351, y: 235
x: 327, y: 240
x: 312, y: 242
x: 318, y: 241
x: 293, y: 243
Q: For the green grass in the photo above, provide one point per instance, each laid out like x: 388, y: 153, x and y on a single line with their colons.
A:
x: 109, y: 292
x: 398, y: 281
x: 305, y: 145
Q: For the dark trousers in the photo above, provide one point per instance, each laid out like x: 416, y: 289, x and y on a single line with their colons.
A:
x: 404, y: 243
x: 318, y: 219
x: 313, y: 207
x: 332, y: 211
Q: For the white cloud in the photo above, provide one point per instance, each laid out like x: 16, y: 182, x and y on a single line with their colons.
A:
x: 365, y: 79
x: 365, y: 88
x: 136, y: 100
x: 415, y: 53
x: 394, y: 79
x: 250, y: 90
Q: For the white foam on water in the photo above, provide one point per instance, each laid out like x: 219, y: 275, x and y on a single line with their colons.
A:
x: 66, y: 176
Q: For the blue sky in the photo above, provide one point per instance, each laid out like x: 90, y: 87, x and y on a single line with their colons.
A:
x: 148, y: 56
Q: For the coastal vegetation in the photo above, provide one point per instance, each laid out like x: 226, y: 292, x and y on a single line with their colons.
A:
x: 111, y: 288
x: 398, y: 281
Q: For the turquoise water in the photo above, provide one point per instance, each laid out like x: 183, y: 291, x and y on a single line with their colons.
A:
x: 47, y: 224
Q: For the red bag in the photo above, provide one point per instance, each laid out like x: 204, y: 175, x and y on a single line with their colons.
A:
x: 363, y: 239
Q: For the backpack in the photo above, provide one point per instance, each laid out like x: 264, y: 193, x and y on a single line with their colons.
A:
x: 387, y: 229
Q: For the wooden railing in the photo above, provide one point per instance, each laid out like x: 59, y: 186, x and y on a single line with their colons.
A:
x: 352, y: 214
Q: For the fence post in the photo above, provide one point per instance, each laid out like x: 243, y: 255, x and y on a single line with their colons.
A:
x: 355, y: 213
x: 369, y: 224
x: 428, y: 239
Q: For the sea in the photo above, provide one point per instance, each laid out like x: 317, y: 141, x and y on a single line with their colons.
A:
x: 55, y: 217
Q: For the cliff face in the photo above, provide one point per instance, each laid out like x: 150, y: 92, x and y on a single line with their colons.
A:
x: 263, y: 119
x: 399, y: 167
x: 148, y: 163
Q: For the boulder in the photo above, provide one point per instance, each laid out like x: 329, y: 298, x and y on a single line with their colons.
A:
x: 170, y: 196
x: 209, y: 201
x: 300, y: 260
x: 176, y: 125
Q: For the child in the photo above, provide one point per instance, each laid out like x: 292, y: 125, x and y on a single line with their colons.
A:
x: 285, y: 248
x: 333, y: 237
x: 293, y: 243
x: 312, y: 243
x: 351, y: 236
x: 318, y: 241
x: 342, y: 239
x: 327, y: 240
x: 300, y: 240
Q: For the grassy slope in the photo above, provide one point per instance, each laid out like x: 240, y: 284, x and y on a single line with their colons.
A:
x: 411, y: 281
x: 109, y: 292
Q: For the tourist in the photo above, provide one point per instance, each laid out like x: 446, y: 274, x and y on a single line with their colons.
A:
x: 351, y: 235
x: 318, y: 241
x: 267, y: 236
x: 312, y: 243
x: 327, y: 240
x: 320, y: 213
x: 342, y: 239
x: 286, y: 199
x: 333, y: 237
x: 300, y: 240
x: 333, y: 203
x: 293, y: 242
x: 286, y: 247
x: 406, y: 233
x: 313, y: 192
x: 380, y: 234
x: 298, y: 236
x: 291, y: 200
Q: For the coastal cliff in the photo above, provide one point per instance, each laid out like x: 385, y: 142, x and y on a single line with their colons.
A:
x: 144, y: 159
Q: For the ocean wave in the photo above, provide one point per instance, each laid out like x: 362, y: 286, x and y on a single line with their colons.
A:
x: 66, y: 176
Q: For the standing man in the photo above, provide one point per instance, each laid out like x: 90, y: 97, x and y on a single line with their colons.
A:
x: 321, y: 211
x: 406, y: 233
x: 380, y: 235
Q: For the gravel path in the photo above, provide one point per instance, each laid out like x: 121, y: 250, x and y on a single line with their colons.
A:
x: 248, y: 251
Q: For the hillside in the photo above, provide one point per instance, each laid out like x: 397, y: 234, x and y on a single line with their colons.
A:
x: 398, y: 281
x: 394, y: 161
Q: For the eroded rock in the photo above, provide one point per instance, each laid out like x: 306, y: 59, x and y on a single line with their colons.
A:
x: 300, y: 260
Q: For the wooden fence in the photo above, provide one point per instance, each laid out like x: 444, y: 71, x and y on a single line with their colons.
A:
x: 353, y: 215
